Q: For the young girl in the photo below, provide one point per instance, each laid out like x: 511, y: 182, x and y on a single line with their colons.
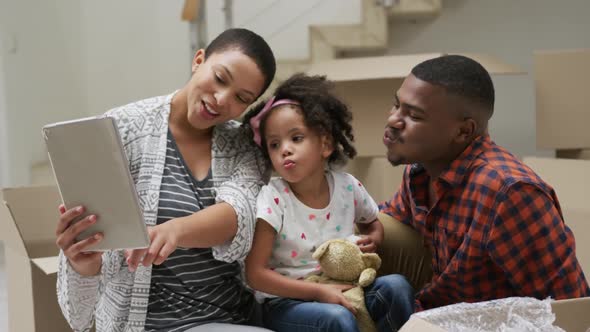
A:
x: 304, y: 131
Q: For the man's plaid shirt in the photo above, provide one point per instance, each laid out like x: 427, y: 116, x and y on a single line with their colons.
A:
x: 496, y: 230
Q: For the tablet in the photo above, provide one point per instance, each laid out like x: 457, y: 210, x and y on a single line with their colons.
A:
x: 91, y: 169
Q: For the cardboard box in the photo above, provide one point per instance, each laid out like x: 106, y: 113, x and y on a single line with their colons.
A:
x: 29, y: 219
x: 561, y: 104
x: 368, y: 86
x: 570, y: 315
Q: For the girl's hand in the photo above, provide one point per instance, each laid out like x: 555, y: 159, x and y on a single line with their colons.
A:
x: 85, y: 263
x: 367, y: 244
x: 333, y: 294
x: 163, y: 241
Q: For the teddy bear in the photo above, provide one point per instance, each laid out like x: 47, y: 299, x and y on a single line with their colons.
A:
x: 342, y: 262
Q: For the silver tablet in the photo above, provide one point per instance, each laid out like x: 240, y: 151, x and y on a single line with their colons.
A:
x: 91, y: 169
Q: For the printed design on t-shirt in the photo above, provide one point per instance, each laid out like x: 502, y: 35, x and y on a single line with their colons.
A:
x: 328, y: 216
x: 311, y: 216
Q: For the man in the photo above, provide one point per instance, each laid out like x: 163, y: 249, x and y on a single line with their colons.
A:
x: 494, y: 228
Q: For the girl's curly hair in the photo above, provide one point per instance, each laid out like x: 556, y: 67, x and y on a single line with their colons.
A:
x: 322, y: 111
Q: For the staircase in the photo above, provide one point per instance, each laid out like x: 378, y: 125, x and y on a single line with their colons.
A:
x: 370, y: 35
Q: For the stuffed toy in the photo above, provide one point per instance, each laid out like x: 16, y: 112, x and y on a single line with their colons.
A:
x: 342, y: 262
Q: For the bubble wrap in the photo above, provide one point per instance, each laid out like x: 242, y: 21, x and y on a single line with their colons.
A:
x: 522, y: 314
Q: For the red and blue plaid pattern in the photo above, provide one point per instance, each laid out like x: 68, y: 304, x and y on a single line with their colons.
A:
x: 496, y: 230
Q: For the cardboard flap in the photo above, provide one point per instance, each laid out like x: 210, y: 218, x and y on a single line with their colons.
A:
x: 494, y: 65
x: 572, y: 314
x: 34, y: 210
x: 561, y: 104
x: 420, y: 325
x: 394, y: 66
x: 47, y: 264
x: 369, y: 68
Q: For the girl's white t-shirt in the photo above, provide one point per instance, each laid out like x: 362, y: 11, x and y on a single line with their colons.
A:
x: 301, y: 229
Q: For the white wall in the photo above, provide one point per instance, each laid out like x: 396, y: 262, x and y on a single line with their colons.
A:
x: 283, y: 23
x: 133, y: 49
x: 40, y: 60
x: 4, y: 164
x: 67, y: 59
x: 511, y: 30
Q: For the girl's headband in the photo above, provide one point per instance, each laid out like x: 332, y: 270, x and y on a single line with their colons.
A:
x: 270, y: 104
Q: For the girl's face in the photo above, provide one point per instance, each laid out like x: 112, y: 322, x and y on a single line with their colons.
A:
x: 222, y: 87
x: 297, y: 153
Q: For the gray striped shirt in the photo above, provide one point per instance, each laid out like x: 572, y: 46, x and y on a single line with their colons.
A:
x: 191, y: 287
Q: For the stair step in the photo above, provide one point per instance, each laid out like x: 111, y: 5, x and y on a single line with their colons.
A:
x: 350, y: 37
x: 415, y: 9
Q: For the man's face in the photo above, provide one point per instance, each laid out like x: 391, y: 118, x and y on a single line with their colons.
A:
x: 422, y: 125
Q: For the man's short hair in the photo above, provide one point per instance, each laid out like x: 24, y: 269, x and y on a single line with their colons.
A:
x: 461, y: 76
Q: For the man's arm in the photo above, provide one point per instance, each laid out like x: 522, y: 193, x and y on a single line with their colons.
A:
x: 530, y: 242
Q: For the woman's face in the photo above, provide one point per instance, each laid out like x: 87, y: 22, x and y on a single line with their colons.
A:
x: 222, y: 87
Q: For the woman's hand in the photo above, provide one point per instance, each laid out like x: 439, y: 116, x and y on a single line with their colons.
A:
x: 329, y: 293
x: 163, y: 241
x: 85, y: 263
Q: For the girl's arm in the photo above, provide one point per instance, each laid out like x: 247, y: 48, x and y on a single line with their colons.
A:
x: 262, y: 278
x: 373, y: 236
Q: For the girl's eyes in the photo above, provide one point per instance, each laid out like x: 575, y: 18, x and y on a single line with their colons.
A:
x: 298, y: 138
x: 273, y: 146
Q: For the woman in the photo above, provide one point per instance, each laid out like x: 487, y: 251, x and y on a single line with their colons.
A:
x: 197, y: 177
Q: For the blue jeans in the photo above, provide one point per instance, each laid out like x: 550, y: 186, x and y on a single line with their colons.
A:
x: 389, y: 300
